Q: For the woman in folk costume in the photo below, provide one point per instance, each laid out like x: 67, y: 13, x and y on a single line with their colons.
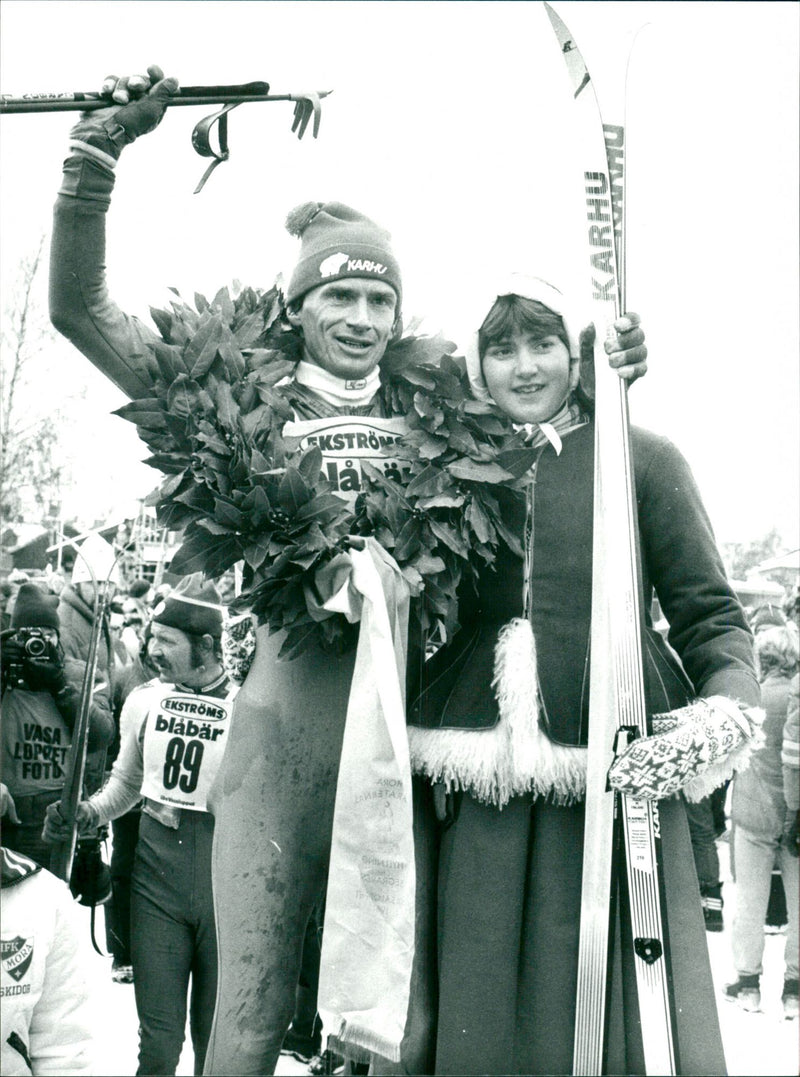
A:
x: 500, y: 724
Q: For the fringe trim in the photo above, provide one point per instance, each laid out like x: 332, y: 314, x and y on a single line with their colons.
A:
x: 515, y: 756
x: 722, y: 770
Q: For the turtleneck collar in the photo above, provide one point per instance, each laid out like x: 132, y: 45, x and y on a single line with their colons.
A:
x: 337, y: 391
x: 209, y: 689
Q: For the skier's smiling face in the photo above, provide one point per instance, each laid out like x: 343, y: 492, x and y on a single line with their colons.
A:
x: 346, y: 325
x: 528, y: 375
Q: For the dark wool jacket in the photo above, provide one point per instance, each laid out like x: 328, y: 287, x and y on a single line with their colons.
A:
x: 680, y: 563
x: 76, y: 617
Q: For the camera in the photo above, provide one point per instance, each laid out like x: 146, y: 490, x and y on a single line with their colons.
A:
x: 34, y: 643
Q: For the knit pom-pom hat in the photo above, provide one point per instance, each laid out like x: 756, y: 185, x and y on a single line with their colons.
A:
x: 34, y: 609
x: 194, y: 606
x: 335, y: 242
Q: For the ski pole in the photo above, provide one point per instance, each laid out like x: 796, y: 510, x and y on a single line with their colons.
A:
x: 63, y: 852
x: 186, y: 95
x: 306, y: 105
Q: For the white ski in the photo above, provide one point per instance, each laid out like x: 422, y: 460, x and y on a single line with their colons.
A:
x: 617, y: 702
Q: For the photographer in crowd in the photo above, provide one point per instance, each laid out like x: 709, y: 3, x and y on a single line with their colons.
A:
x: 41, y: 693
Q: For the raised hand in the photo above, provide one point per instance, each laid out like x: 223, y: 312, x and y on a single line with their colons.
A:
x: 137, y: 104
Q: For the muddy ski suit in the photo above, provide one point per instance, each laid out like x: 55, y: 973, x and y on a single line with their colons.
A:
x: 279, y: 774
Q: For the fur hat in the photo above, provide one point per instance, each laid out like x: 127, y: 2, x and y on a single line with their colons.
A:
x: 193, y: 607
x: 34, y: 609
x: 529, y: 288
x: 336, y: 242
x: 96, y: 558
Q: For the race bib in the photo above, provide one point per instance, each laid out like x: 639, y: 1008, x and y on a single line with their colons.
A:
x: 184, y: 739
x: 345, y: 442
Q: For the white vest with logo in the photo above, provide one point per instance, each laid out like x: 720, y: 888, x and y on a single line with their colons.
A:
x: 184, y: 741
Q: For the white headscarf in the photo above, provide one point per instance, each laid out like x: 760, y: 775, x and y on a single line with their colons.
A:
x: 529, y: 288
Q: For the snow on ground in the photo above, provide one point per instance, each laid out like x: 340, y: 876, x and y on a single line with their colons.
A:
x: 756, y: 1044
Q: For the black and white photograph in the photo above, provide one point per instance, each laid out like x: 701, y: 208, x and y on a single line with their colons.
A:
x: 341, y: 730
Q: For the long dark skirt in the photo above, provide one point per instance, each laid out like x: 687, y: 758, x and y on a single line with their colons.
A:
x: 509, y: 900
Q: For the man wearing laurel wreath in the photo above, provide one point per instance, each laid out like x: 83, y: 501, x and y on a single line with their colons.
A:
x: 316, y: 768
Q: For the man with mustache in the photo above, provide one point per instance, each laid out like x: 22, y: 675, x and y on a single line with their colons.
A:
x: 173, y: 732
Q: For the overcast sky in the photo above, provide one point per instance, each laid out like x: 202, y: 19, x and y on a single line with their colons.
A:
x: 451, y: 123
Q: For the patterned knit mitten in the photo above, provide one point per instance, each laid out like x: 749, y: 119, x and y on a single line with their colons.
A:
x: 694, y: 749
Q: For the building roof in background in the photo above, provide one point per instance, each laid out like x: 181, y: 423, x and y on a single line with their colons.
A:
x: 782, y: 560
x: 17, y: 536
x: 757, y: 585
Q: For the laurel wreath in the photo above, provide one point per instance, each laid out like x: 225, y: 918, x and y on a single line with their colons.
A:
x: 241, y: 492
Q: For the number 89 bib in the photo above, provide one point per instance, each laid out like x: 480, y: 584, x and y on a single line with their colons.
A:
x: 184, y: 739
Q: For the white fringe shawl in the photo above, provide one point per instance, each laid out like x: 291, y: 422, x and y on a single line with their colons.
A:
x: 513, y: 757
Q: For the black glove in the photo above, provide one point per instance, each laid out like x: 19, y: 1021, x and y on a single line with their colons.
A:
x: 791, y: 836
x: 46, y: 675
x: 626, y: 351
x: 90, y: 881
x: 43, y: 674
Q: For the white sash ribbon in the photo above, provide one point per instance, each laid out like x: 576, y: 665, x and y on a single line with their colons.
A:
x: 368, y: 936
